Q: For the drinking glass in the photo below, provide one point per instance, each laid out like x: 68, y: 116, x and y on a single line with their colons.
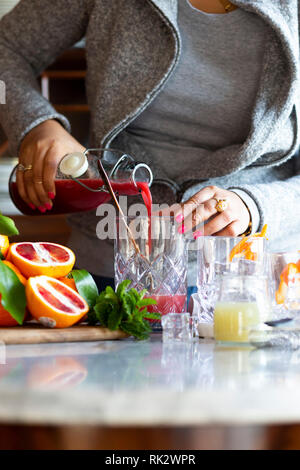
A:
x: 214, y: 260
x: 153, y: 255
x: 242, y: 303
x: 284, y: 273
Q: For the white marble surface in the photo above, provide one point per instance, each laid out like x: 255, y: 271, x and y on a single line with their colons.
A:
x: 148, y: 383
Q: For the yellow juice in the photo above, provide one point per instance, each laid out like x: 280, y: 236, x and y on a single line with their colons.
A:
x: 232, y: 320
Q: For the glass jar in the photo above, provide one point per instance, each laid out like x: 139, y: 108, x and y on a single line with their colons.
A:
x: 242, y: 303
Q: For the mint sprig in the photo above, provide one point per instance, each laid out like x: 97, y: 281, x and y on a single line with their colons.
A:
x: 125, y: 309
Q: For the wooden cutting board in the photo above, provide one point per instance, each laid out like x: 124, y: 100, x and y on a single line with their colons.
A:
x: 36, y: 334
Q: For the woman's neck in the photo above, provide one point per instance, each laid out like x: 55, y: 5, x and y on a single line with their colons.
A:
x: 208, y: 6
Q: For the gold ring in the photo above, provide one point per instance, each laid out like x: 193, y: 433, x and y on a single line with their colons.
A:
x: 39, y: 182
x: 221, y: 205
x: 27, y: 168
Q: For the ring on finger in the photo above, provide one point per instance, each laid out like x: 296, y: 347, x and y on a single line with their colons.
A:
x: 28, y: 168
x: 221, y: 204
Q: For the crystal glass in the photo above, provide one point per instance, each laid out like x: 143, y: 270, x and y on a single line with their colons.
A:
x: 83, y: 189
x: 242, y: 303
x: 153, y: 255
x: 176, y: 327
x: 284, y: 273
x: 214, y: 260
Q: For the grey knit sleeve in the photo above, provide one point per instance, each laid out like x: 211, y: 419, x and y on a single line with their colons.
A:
x: 279, y: 206
x: 32, y: 35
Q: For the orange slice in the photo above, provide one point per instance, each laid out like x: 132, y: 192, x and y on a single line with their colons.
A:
x: 280, y: 294
x: 5, y: 317
x: 4, y: 245
x: 289, y: 272
x: 54, y: 304
x: 287, y: 276
x: 42, y: 258
x: 244, y: 247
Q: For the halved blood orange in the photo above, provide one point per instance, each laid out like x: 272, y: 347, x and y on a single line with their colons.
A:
x: 42, y: 258
x: 53, y: 303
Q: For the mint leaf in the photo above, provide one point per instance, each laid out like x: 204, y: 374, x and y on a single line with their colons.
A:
x: 12, y: 291
x: 92, y: 318
x: 114, y: 318
x: 152, y: 316
x: 102, y: 311
x: 127, y: 303
x: 7, y: 226
x: 122, y: 287
x: 141, y: 330
x: 110, y: 295
x: 86, y: 286
x: 146, y: 302
x: 135, y: 294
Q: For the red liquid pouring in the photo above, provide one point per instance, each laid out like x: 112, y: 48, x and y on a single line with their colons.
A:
x: 72, y: 197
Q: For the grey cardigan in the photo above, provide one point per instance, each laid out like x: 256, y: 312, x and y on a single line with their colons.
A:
x: 132, y: 48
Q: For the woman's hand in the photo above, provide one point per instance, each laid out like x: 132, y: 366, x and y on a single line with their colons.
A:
x: 201, y: 207
x: 43, y: 148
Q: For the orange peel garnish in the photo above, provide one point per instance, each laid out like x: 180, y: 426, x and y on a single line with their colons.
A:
x: 243, y: 247
x: 288, y: 274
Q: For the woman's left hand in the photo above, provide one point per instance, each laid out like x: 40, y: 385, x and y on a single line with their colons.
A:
x: 233, y: 221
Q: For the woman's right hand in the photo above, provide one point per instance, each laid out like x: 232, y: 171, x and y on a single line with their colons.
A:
x: 43, y: 148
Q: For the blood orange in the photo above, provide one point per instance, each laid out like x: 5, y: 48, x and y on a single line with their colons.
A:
x: 53, y: 303
x: 43, y: 258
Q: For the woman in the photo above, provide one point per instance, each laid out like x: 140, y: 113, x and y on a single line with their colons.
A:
x: 206, y: 91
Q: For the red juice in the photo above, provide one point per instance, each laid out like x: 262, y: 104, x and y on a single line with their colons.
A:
x: 147, y: 198
x: 168, y: 303
x: 72, y: 197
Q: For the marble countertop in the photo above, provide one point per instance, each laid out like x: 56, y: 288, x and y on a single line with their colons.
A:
x: 148, y: 383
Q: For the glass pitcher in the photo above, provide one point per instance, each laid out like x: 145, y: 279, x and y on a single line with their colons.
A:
x: 79, y: 186
x: 153, y: 255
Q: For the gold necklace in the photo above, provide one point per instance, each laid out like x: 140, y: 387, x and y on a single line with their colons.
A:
x: 228, y: 5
